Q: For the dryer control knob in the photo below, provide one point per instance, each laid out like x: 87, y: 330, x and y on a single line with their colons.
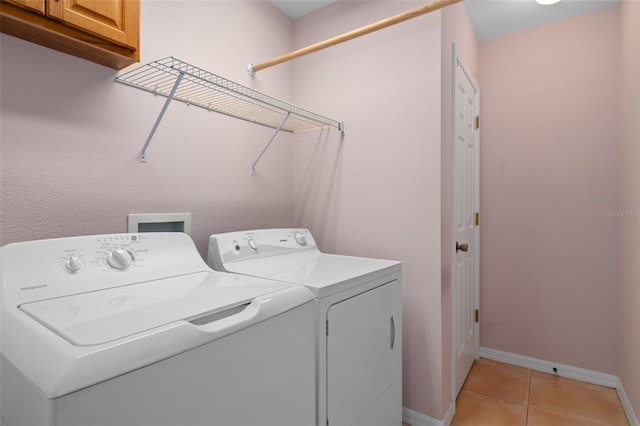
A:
x: 119, y: 258
x: 300, y: 238
x: 73, y: 264
x: 253, y: 244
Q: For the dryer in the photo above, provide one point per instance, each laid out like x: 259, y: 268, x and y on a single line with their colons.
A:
x: 358, y: 318
x: 136, y: 329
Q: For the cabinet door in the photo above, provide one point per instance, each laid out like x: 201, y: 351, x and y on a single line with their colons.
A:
x: 115, y: 20
x: 32, y: 5
x: 364, y: 357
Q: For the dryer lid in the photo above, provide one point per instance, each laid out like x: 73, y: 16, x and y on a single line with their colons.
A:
x: 103, y: 316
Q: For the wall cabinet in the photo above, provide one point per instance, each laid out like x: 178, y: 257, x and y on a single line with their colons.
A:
x: 105, y: 31
x: 33, y: 5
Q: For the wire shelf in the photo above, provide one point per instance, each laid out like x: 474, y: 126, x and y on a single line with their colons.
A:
x: 204, y: 89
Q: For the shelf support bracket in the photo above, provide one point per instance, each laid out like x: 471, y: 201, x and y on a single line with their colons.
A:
x: 143, y: 153
x: 253, y: 166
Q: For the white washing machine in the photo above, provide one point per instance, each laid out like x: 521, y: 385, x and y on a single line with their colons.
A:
x: 358, y: 318
x: 135, y: 329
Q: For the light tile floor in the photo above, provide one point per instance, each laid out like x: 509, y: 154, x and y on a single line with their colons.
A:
x: 497, y: 394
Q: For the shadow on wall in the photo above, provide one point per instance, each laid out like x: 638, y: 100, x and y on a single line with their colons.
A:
x: 320, y: 181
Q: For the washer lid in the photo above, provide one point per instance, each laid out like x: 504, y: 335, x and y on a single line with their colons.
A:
x: 323, y: 274
x: 103, y: 316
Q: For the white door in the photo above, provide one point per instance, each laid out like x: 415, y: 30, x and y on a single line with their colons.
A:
x: 466, y: 229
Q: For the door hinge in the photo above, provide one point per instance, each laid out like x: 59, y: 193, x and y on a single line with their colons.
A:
x: 477, y: 315
x: 477, y: 218
x: 477, y: 121
x: 327, y: 327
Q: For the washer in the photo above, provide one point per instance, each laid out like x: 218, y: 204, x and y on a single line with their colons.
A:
x: 136, y: 329
x: 358, y: 318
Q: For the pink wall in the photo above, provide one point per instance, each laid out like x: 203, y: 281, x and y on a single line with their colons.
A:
x: 456, y: 27
x: 70, y: 150
x: 629, y: 199
x: 385, y: 174
x: 71, y: 136
x: 377, y: 192
x: 548, y: 175
x: 69, y: 163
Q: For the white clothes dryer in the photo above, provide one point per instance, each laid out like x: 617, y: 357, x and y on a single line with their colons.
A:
x: 358, y: 318
x: 135, y: 329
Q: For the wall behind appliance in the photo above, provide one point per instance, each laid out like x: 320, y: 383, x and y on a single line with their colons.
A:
x: 550, y: 137
x: 71, y: 135
x: 629, y: 200
x: 376, y: 193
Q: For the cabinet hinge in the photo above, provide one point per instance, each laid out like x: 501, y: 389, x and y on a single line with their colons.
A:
x: 477, y: 121
x: 477, y: 315
x: 477, y: 218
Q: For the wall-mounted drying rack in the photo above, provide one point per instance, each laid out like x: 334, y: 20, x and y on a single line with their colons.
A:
x: 175, y: 79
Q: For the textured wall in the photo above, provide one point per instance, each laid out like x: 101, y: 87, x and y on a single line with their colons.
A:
x: 71, y: 135
x: 629, y: 202
x: 377, y: 193
x: 548, y: 175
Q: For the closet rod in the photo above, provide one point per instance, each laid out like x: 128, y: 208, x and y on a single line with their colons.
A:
x: 413, y: 13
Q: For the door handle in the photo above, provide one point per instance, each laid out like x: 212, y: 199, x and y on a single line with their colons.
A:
x: 393, y: 332
x: 462, y: 247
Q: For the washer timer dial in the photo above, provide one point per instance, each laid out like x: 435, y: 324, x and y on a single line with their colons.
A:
x: 73, y: 264
x: 119, y: 258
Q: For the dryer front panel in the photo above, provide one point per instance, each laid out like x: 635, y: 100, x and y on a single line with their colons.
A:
x: 363, y: 348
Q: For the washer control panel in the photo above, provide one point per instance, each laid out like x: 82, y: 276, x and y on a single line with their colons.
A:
x: 243, y: 245
x: 36, y: 270
x: 116, y: 252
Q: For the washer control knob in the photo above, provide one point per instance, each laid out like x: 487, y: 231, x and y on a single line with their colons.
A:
x: 119, y: 258
x: 253, y: 244
x: 300, y: 238
x: 73, y: 264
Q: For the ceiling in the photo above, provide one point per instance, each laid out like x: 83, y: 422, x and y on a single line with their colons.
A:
x: 490, y: 18
x: 495, y: 18
x: 297, y: 8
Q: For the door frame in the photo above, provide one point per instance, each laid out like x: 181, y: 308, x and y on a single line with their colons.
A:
x: 457, y: 59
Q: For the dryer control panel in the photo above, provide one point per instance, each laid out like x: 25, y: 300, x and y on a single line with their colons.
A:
x: 244, y: 245
x: 44, y: 269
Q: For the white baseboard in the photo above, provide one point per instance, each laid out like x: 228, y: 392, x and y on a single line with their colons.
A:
x: 626, y: 404
x: 418, y: 419
x: 567, y: 371
x: 448, y: 416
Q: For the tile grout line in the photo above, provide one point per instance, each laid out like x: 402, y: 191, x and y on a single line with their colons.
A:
x: 497, y: 398
x: 529, y: 399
